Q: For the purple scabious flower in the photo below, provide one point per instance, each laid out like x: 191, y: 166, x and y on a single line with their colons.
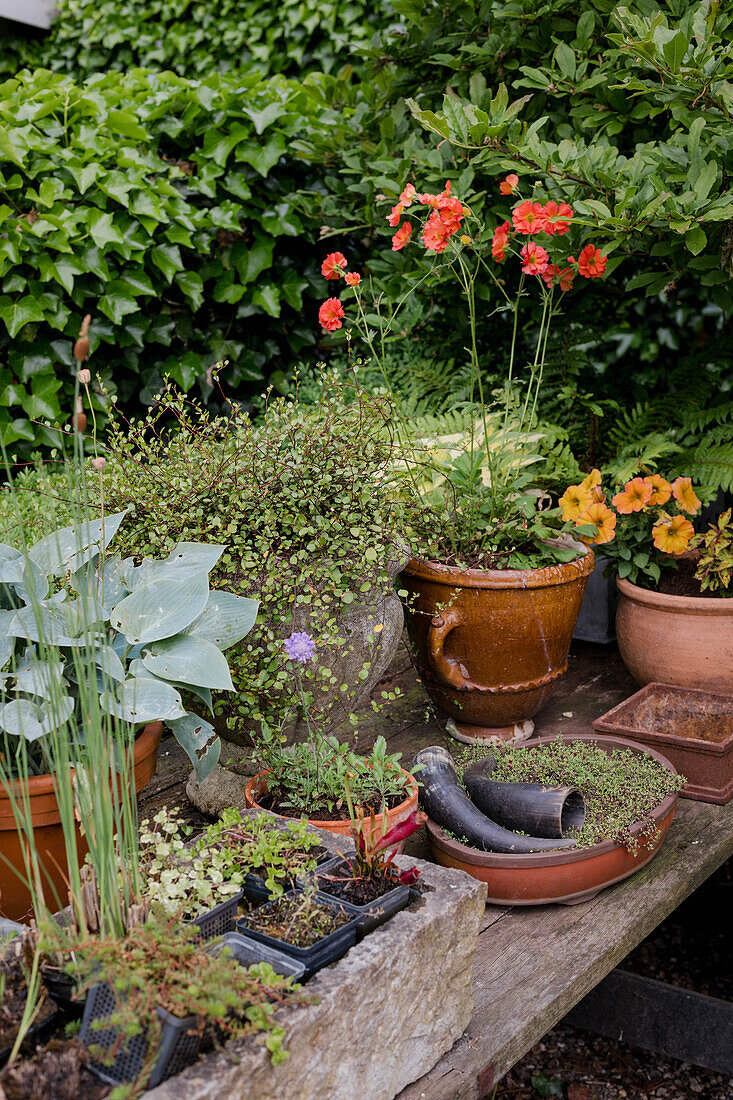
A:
x: 300, y: 647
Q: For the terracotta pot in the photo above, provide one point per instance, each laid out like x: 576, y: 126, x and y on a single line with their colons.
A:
x: 15, y: 899
x: 257, y: 786
x: 491, y: 646
x: 568, y: 876
x: 692, y: 729
x: 682, y: 640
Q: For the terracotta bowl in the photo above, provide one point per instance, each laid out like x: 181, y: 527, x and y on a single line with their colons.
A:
x: 567, y: 877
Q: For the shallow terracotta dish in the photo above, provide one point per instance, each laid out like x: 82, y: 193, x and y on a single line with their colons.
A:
x: 568, y: 876
x: 692, y: 729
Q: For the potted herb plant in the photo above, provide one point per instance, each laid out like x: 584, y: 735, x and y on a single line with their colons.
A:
x: 674, y: 622
x: 495, y: 584
x: 150, y: 631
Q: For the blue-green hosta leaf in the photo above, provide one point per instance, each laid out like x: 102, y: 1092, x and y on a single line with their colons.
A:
x: 186, y: 560
x: 66, y: 550
x: 102, y: 578
x: 200, y: 741
x: 189, y: 659
x: 137, y: 668
x: 45, y: 679
x: 55, y: 624
x: 109, y: 662
x: 160, y: 610
x: 226, y: 619
x: 140, y: 700
x: 7, y: 640
x: 23, y: 718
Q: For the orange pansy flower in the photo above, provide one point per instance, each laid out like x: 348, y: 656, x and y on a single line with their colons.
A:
x: 685, y: 495
x: 635, y: 496
x: 661, y: 489
x: 575, y: 499
x: 603, y: 518
x: 672, y: 535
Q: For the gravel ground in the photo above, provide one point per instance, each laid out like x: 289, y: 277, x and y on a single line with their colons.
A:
x: 690, y: 949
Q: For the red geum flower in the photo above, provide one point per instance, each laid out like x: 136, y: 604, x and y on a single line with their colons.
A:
x: 591, y: 264
x: 434, y: 200
x: 330, y: 314
x: 499, y: 241
x: 509, y: 185
x: 352, y: 278
x: 407, y: 195
x: 557, y: 217
x: 554, y: 275
x: 334, y: 265
x: 395, y: 214
x: 529, y: 217
x: 401, y: 237
x: 401, y: 831
x: 435, y: 233
x: 535, y: 259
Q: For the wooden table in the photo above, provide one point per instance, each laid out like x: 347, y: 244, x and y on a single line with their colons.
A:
x: 534, y: 965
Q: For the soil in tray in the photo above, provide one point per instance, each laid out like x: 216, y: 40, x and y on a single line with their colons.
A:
x: 684, y: 716
x: 357, y: 891
x: 12, y: 1001
x: 57, y: 1071
x: 297, y: 920
x: 273, y: 801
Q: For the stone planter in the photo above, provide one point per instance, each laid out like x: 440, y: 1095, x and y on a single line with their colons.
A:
x: 681, y: 640
x: 416, y: 968
x: 489, y: 646
x: 380, y: 608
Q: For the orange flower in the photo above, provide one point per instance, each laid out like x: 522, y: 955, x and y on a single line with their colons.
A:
x: 528, y: 217
x: 575, y: 499
x: 592, y: 479
x: 334, y: 265
x: 534, y: 259
x: 591, y: 264
x: 353, y: 278
x: 435, y: 233
x: 603, y: 518
x: 407, y: 195
x: 509, y: 185
x: 553, y: 275
x: 672, y: 535
x: 395, y: 214
x: 661, y: 489
x: 685, y: 495
x: 557, y: 217
x: 401, y: 237
x: 499, y: 241
x: 635, y: 496
x: 435, y: 200
x: 330, y: 314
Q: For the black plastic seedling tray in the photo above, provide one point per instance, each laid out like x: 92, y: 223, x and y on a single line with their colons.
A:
x: 374, y: 912
x: 257, y: 893
x: 219, y: 920
x: 178, y: 1046
x: 328, y: 950
x: 248, y: 952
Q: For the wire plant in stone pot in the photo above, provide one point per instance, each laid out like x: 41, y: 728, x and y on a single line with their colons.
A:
x: 495, y: 583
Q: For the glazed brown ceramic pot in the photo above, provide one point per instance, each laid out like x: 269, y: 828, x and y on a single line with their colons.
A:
x: 682, y: 640
x: 490, y: 646
x: 569, y: 876
x: 15, y: 899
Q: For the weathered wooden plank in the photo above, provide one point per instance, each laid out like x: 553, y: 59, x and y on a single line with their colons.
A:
x: 678, y: 1023
x: 532, y: 966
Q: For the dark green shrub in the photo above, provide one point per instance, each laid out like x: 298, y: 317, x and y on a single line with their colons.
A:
x: 163, y: 207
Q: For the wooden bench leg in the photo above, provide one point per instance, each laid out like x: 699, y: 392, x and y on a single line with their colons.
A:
x: 660, y: 1017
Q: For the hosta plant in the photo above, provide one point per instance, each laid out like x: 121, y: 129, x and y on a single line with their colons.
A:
x: 155, y: 629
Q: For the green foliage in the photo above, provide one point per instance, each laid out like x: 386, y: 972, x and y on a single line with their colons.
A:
x: 197, y: 37
x: 143, y: 198
x: 305, y: 505
x: 715, y: 568
x: 150, y: 630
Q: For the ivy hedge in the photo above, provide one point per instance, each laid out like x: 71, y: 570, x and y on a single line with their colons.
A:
x: 165, y: 208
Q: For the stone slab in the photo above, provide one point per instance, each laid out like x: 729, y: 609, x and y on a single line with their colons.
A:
x: 386, y: 1012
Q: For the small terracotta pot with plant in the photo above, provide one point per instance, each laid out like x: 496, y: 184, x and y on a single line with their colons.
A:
x: 674, y: 621
x: 495, y: 585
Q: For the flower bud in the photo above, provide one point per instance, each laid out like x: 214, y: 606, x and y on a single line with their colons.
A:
x: 99, y: 463
x: 84, y: 376
x: 81, y: 349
